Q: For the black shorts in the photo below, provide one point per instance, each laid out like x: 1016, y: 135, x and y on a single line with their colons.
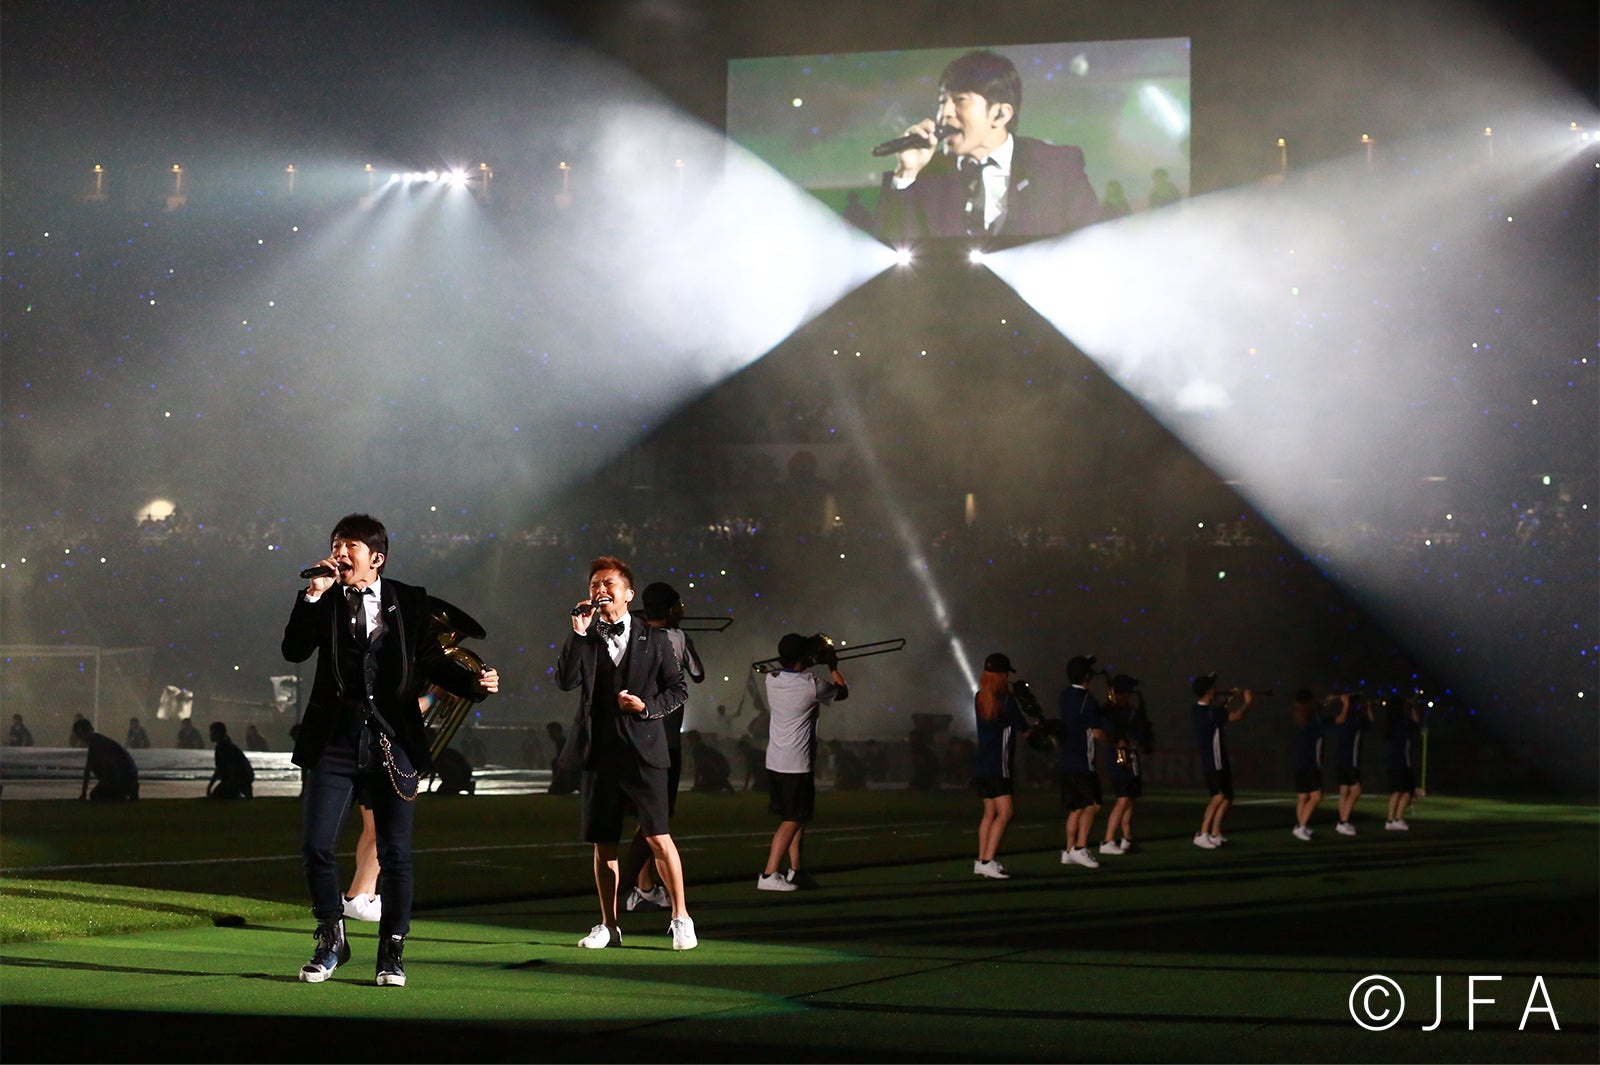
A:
x: 792, y: 796
x: 1403, y: 779
x: 1348, y: 775
x: 674, y: 773
x: 993, y: 787
x: 1307, y: 781
x: 1126, y: 785
x: 1079, y: 791
x: 1220, y: 782
x: 610, y: 795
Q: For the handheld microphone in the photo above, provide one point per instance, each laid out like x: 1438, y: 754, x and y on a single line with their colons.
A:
x: 319, y: 570
x: 590, y: 607
x: 913, y: 140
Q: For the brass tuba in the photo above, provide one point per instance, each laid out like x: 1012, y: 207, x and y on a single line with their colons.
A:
x: 446, y: 710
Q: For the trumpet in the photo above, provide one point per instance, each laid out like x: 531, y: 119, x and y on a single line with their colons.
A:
x: 820, y: 648
x: 446, y: 711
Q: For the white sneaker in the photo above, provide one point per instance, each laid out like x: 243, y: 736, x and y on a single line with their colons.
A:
x: 1218, y: 840
x: 1345, y: 828
x: 1126, y: 846
x: 991, y: 869
x: 1397, y: 825
x: 601, y: 936
x: 1081, y: 856
x: 654, y: 899
x: 1302, y: 832
x: 364, y: 908
x: 1203, y: 841
x: 683, y: 937
x: 773, y: 882
x: 1110, y: 847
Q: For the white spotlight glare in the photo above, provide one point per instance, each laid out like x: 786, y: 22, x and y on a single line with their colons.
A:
x: 1163, y: 109
x: 975, y: 257
x: 431, y: 176
x: 902, y: 256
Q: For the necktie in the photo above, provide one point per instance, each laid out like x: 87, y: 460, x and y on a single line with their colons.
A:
x: 972, y: 171
x: 358, y: 611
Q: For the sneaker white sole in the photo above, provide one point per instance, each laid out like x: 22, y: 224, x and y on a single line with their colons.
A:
x: 314, y: 976
x: 391, y: 979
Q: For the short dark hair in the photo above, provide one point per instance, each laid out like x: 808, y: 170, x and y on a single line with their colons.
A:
x: 81, y: 727
x: 792, y: 648
x: 659, y: 599
x: 611, y: 562
x: 1080, y: 668
x: 368, y: 530
x: 990, y: 75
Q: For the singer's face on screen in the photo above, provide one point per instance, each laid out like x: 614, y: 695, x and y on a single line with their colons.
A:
x: 358, y: 563
x: 980, y: 126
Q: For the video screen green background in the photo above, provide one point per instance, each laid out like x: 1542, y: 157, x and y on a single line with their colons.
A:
x: 1125, y: 103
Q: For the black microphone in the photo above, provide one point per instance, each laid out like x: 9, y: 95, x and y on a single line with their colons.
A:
x: 913, y: 140
x: 590, y: 607
x: 319, y: 570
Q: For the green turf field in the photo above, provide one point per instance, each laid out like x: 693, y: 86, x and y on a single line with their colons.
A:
x: 173, y: 930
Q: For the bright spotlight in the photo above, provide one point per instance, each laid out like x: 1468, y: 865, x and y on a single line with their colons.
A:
x: 431, y: 176
x: 902, y: 257
x: 976, y: 257
x: 1163, y: 109
x: 456, y: 179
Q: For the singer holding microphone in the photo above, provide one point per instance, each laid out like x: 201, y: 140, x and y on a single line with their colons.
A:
x: 966, y: 172
x: 377, y: 647
x: 630, y: 679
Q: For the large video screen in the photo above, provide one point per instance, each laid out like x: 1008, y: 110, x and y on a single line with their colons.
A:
x: 1095, y: 130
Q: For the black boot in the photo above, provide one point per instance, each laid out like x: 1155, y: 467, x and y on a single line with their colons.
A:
x: 331, y: 952
x: 391, y: 970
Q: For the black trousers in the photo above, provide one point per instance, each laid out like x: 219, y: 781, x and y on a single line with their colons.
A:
x: 329, y: 788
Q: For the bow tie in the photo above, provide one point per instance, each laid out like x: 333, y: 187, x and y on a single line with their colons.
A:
x: 609, y: 629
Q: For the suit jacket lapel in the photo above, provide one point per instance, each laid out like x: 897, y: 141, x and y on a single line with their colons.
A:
x: 638, y: 652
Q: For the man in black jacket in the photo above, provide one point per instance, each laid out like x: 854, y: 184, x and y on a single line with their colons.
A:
x: 378, y: 648
x: 975, y: 175
x: 631, y: 680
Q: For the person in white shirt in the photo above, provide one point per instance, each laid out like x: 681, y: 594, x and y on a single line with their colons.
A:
x: 795, y: 696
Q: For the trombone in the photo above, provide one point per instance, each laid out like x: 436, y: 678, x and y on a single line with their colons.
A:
x: 704, y: 624
x: 821, y: 643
